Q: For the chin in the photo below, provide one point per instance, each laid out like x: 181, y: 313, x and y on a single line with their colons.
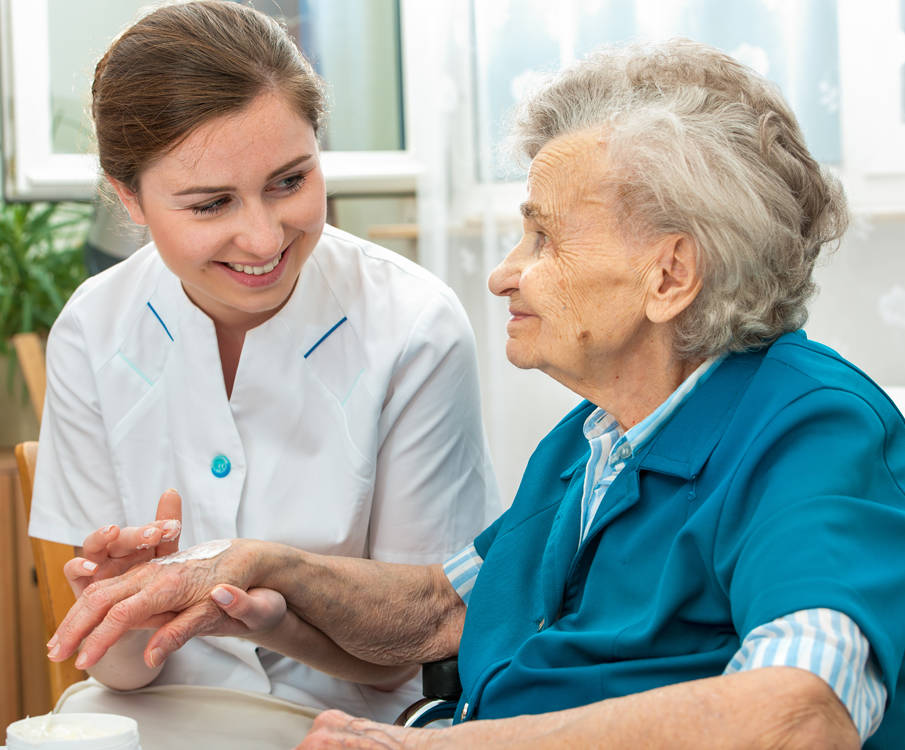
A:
x: 519, y: 358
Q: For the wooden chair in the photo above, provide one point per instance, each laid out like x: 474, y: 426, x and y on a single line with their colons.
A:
x: 56, y: 595
x: 30, y: 353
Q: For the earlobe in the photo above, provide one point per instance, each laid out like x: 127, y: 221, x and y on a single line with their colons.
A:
x: 676, y: 283
x: 130, y: 201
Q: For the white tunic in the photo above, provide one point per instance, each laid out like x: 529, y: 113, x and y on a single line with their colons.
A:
x: 353, y: 428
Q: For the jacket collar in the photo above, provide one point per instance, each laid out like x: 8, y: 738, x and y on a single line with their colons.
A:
x: 685, y: 442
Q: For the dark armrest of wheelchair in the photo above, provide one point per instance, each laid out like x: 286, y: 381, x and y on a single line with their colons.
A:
x: 441, y: 688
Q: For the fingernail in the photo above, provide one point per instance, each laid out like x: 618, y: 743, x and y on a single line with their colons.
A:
x: 143, y: 546
x: 81, y: 661
x: 222, y: 596
x: 107, y: 529
x: 89, y: 566
x: 148, y: 531
x: 156, y: 656
x: 53, y: 641
x: 171, y: 530
x: 173, y: 490
x: 52, y: 654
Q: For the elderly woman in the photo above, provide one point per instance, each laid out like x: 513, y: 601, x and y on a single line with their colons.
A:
x: 707, y: 550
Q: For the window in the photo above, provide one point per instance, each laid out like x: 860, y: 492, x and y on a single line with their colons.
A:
x: 50, y: 48
x: 839, y: 63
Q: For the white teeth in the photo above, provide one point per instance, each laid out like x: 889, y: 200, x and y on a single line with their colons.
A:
x: 256, y: 270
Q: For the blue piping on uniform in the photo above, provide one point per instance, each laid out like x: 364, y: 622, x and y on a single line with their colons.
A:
x: 135, y: 369
x: 321, y: 339
x: 161, y: 321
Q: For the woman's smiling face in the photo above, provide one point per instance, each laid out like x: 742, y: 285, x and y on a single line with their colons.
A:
x: 236, y: 209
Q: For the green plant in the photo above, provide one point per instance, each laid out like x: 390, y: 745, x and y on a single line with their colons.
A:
x: 41, y: 264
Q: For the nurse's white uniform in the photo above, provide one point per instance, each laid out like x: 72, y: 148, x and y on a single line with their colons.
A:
x: 353, y: 428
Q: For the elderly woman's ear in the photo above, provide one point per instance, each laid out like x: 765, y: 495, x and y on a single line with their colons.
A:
x: 674, y: 282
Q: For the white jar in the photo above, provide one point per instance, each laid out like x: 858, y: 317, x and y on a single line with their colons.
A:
x: 73, y: 732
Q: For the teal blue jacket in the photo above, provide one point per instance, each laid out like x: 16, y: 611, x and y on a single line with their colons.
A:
x: 777, y: 486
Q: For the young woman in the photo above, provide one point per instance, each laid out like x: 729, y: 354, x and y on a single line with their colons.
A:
x: 294, y: 383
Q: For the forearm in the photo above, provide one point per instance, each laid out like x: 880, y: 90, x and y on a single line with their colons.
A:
x: 305, y: 643
x: 382, y: 613
x: 123, y: 666
x: 776, y: 707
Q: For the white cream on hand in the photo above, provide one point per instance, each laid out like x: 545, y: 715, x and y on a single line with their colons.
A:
x: 202, y: 551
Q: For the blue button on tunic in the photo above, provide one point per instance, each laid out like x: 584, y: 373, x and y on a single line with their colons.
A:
x: 220, y: 466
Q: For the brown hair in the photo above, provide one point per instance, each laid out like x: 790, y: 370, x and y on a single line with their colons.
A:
x: 183, y: 65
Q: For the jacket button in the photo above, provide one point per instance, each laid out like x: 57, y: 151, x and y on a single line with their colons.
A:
x: 464, y: 712
x: 540, y: 624
x: 220, y: 466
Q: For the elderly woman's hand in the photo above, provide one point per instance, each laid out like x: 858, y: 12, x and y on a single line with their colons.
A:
x: 172, y: 595
x: 112, y: 550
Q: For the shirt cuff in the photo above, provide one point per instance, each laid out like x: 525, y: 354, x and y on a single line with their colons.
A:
x: 462, y: 570
x: 829, y: 644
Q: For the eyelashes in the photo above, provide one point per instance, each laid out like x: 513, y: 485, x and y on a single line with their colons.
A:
x: 283, y: 187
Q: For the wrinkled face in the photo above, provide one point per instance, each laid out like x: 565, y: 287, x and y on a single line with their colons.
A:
x: 577, y: 291
x: 236, y: 209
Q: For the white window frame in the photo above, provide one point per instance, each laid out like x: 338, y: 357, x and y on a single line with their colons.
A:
x: 33, y: 172
x: 871, y: 55
x: 872, y: 168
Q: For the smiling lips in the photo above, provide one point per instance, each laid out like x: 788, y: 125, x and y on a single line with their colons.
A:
x: 257, y: 270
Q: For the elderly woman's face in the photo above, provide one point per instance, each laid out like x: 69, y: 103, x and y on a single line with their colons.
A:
x: 578, y: 292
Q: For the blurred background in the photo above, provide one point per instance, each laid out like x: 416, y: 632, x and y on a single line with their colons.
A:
x: 421, y: 92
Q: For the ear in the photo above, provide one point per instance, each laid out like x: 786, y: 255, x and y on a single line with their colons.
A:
x: 130, y: 200
x: 675, y: 281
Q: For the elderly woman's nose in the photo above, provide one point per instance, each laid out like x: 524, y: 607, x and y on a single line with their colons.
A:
x: 504, y: 279
x: 260, y: 231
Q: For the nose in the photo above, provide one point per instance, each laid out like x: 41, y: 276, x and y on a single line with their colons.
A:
x: 260, y: 231
x: 504, y: 279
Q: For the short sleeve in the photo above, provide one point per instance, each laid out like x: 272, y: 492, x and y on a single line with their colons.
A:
x: 817, y: 519
x: 75, y: 488
x: 434, y: 485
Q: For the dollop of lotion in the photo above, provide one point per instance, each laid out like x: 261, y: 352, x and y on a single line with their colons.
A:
x: 201, y: 551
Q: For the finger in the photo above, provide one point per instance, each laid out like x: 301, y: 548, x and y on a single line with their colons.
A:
x: 135, y: 538
x: 89, y: 611
x: 78, y: 572
x: 128, y: 613
x: 169, y: 508
x: 258, y: 609
x: 199, y: 619
x: 95, y: 545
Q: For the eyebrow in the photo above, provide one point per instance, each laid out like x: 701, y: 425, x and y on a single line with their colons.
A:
x: 533, y: 211
x: 227, y: 188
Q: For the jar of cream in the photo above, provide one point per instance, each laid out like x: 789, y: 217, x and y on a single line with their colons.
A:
x: 73, y: 732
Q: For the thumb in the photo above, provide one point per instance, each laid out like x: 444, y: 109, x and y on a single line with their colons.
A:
x: 258, y: 609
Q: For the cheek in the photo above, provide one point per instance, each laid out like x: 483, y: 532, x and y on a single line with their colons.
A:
x: 183, y: 246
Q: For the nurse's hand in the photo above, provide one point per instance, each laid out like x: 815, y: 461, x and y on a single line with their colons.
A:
x: 251, y: 614
x: 112, y: 550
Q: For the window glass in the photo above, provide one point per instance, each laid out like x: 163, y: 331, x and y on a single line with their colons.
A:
x: 794, y: 44
x: 354, y: 44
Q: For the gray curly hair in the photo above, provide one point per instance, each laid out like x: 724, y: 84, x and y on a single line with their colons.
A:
x: 701, y: 145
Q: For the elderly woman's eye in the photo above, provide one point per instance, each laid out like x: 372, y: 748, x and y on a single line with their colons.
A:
x: 541, y: 240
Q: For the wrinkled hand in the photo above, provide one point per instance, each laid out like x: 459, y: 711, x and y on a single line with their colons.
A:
x: 335, y: 729
x: 110, y: 551
x: 174, y: 598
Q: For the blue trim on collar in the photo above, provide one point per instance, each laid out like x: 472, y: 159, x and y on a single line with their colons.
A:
x: 322, y: 338
x: 160, y: 320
